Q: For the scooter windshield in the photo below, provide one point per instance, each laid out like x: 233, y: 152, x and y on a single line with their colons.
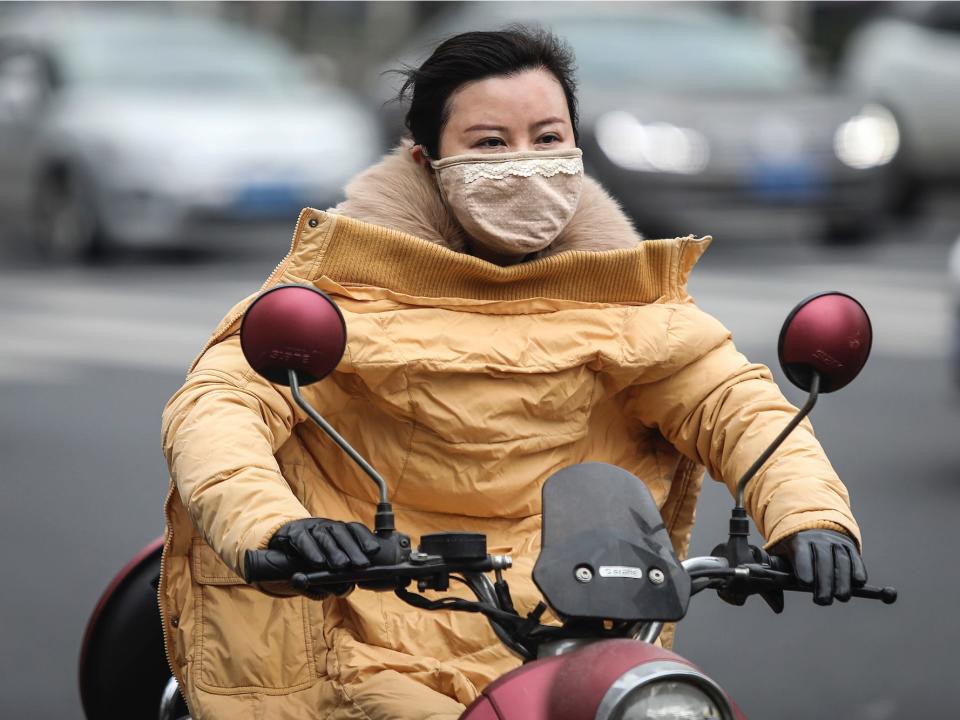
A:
x: 605, y: 551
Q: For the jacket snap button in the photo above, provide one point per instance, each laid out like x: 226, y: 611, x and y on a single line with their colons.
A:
x: 175, y: 622
x: 313, y: 222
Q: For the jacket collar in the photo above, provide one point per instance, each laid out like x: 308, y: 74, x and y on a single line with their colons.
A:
x: 337, y: 251
x: 330, y: 247
x: 398, y: 193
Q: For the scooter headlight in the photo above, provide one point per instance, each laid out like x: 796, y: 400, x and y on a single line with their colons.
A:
x: 664, y: 691
x: 672, y: 699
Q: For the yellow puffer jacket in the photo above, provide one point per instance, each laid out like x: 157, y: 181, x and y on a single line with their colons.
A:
x: 466, y: 384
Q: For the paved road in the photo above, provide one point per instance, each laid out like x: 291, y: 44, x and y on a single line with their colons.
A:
x: 88, y: 357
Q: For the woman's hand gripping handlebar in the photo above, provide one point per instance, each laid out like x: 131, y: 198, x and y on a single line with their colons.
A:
x: 327, y: 549
x: 393, y: 566
x: 768, y: 576
x: 782, y: 575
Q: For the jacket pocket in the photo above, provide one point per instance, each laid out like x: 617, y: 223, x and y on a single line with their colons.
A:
x: 244, y: 640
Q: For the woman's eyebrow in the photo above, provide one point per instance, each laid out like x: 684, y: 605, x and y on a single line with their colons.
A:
x: 548, y: 121
x: 501, y: 128
x: 497, y: 128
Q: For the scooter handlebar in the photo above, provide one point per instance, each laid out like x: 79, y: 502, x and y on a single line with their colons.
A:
x: 268, y: 566
x: 274, y: 566
x: 888, y: 595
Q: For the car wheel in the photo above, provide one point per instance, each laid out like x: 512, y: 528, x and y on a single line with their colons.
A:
x: 65, y: 227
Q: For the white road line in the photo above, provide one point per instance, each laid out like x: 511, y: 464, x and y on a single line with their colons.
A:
x: 908, y: 322
x: 50, y: 328
x: 36, y: 343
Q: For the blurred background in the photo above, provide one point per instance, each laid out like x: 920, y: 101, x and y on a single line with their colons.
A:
x: 153, y: 158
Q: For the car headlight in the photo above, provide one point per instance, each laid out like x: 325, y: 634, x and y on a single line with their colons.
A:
x: 664, y: 691
x: 867, y: 140
x: 651, y: 147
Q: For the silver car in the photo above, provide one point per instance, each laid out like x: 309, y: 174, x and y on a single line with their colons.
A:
x: 702, y: 122
x: 121, y: 127
x: 909, y: 59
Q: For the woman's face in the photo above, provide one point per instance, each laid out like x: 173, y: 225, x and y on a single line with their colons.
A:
x: 522, y: 112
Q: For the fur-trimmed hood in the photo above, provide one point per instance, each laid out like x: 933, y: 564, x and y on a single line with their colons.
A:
x: 402, y: 195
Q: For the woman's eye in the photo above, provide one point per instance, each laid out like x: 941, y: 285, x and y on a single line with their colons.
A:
x: 491, y: 142
x: 549, y: 138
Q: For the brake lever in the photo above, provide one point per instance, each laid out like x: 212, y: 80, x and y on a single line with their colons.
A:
x: 774, y: 598
x: 739, y: 589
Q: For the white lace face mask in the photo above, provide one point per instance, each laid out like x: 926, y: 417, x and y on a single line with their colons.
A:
x: 512, y: 203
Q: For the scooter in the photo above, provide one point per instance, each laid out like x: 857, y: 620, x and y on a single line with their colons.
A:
x: 612, y: 585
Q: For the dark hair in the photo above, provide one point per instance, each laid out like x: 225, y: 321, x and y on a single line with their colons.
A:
x: 474, y: 56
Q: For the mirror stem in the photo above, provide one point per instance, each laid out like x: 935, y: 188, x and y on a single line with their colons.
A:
x: 804, y: 411
x: 384, y: 523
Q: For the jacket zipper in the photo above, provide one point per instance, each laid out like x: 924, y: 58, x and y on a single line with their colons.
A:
x: 168, y: 534
x: 293, y: 246
x: 269, y: 281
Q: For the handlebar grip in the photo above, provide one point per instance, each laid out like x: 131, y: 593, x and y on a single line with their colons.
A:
x: 267, y: 566
x: 780, y: 564
x: 274, y: 565
x: 888, y: 595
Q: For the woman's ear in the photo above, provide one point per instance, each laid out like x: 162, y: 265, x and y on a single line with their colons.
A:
x: 420, y: 157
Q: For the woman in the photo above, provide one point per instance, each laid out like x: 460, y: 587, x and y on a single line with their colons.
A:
x: 484, y: 355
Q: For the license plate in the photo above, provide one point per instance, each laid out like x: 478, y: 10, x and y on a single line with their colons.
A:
x: 268, y: 200
x: 793, y: 181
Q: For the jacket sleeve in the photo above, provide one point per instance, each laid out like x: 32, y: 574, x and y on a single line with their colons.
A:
x: 220, y: 432
x: 722, y: 411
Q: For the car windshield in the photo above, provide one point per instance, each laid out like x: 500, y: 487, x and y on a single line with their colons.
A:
x: 180, y: 57
x: 674, y: 55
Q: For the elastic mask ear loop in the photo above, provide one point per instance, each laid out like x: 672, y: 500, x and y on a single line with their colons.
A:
x: 436, y: 178
x: 426, y: 156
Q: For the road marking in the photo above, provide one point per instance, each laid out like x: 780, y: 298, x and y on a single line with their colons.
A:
x: 912, y: 321
x: 52, y: 327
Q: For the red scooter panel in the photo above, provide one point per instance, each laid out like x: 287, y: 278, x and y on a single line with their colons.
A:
x: 568, y: 687
x: 521, y: 693
x: 481, y: 709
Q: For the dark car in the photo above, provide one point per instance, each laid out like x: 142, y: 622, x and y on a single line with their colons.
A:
x: 702, y: 122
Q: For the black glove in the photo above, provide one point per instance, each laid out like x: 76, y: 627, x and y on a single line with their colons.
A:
x: 828, y: 560
x: 323, y: 544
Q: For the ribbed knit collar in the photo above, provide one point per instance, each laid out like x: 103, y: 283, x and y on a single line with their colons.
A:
x: 351, y: 252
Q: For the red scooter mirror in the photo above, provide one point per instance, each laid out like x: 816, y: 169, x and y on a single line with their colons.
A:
x: 824, y: 344
x: 294, y: 335
x: 293, y: 327
x: 828, y: 334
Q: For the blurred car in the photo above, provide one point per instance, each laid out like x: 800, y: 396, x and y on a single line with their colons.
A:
x: 121, y: 127
x: 700, y: 121
x: 908, y: 59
